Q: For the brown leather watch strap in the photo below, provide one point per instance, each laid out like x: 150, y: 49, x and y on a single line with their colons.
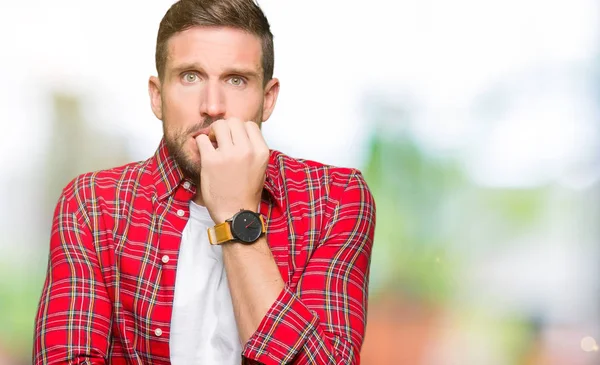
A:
x: 220, y: 233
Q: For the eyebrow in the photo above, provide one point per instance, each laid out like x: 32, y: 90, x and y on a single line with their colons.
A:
x: 242, y: 72
x: 235, y: 70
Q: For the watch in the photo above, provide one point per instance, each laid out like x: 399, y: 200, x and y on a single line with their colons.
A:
x: 245, y: 226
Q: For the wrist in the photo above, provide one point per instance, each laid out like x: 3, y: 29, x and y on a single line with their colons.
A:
x: 222, y: 216
x: 245, y: 226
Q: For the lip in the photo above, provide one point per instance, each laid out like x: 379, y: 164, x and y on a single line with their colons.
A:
x: 206, y: 132
x: 201, y: 131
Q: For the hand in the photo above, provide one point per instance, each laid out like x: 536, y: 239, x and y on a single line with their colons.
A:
x: 232, y: 176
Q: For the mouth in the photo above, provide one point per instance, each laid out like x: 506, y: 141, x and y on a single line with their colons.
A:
x: 201, y: 131
x: 211, y: 136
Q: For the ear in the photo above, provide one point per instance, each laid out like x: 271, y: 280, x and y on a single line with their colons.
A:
x: 271, y: 93
x: 155, y: 96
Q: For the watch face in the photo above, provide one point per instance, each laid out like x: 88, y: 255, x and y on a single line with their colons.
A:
x: 246, y: 226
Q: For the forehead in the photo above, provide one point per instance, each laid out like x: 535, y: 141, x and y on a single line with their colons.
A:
x: 214, y: 48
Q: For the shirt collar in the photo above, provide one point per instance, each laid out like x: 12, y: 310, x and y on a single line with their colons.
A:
x: 168, y: 177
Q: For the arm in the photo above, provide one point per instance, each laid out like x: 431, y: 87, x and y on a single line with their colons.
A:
x: 322, y: 321
x: 72, y: 325
x: 254, y: 282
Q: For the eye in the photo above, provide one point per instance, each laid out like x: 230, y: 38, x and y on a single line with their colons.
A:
x: 190, y: 77
x: 236, y: 81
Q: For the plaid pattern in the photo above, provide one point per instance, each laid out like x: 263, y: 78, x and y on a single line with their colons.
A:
x: 115, y: 238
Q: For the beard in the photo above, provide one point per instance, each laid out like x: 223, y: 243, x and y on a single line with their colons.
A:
x: 176, y: 146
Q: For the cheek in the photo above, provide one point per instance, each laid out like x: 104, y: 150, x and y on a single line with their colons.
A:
x: 246, y: 106
x: 181, y: 108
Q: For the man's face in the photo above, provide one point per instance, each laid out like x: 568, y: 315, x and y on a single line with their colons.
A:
x: 211, y: 73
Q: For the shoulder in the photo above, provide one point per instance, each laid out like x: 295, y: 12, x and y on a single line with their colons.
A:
x: 313, y: 175
x: 94, y: 186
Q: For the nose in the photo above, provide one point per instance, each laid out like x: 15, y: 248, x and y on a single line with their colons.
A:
x: 212, y: 101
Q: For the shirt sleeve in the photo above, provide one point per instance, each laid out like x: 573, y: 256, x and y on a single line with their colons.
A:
x: 72, y: 325
x: 322, y: 320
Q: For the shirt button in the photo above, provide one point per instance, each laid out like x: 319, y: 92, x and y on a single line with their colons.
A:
x: 158, y: 332
x: 165, y: 259
x: 187, y: 184
x: 180, y: 213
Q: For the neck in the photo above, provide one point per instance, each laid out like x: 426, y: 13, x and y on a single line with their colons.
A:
x: 198, y: 197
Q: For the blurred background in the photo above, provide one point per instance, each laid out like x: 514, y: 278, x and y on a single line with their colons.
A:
x: 474, y: 122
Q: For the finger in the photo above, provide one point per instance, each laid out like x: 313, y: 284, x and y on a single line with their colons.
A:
x: 239, y: 135
x: 256, y: 137
x: 205, y: 146
x: 222, y: 134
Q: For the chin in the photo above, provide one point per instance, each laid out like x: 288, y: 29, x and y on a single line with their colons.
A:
x: 191, y: 163
x: 193, y: 154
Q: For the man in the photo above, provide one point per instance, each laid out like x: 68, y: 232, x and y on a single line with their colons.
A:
x: 216, y: 250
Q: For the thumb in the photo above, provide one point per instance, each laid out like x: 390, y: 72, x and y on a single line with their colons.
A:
x: 205, y: 146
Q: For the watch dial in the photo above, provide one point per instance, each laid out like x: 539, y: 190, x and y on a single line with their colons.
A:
x: 246, y: 227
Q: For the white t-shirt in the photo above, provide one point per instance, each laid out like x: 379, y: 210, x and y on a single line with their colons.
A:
x: 203, y: 327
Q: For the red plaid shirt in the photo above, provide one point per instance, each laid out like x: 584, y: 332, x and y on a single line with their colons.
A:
x: 108, y: 294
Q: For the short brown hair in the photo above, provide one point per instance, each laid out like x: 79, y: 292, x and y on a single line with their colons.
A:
x: 240, y: 14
